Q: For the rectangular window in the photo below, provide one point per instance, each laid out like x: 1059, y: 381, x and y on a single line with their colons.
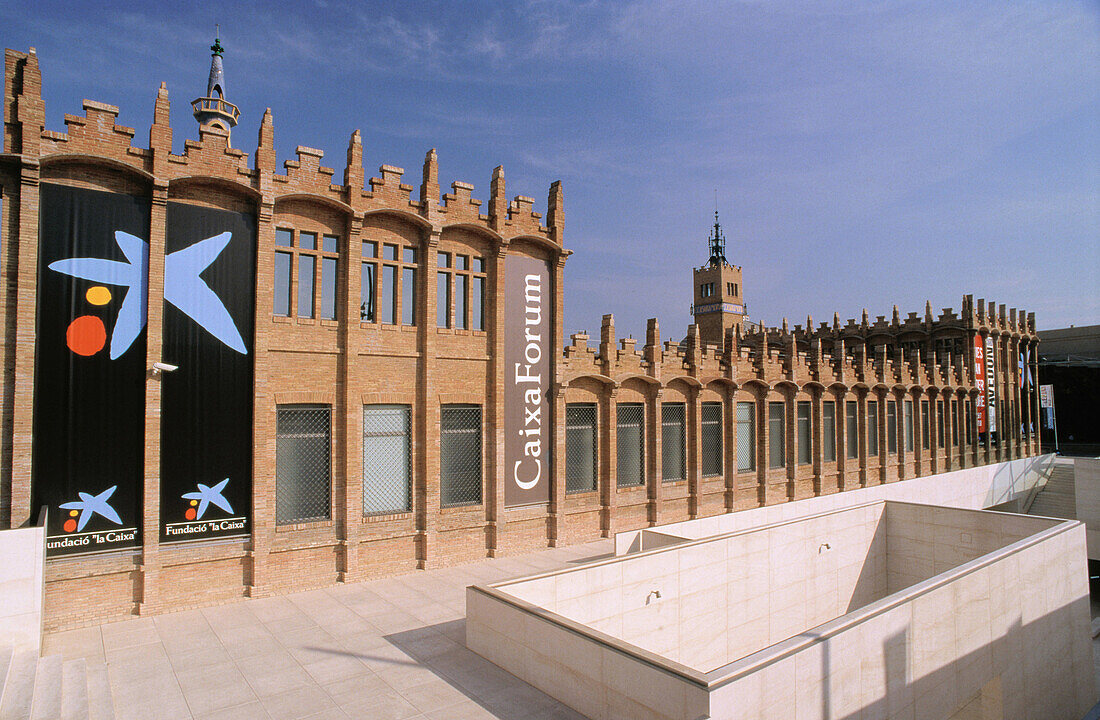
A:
x: 307, y: 241
x: 891, y: 427
x: 970, y: 422
x: 389, y: 252
x: 461, y: 282
x: 805, y: 457
x: 851, y: 429
x: 443, y: 260
x: 907, y: 409
x: 366, y: 292
x: 284, y: 237
x: 711, y: 429
x: 673, y: 424
x: 477, y: 304
x: 387, y: 304
x: 387, y: 484
x: 370, y: 249
x: 580, y: 447
x: 872, y: 428
x: 408, y: 295
x: 306, y: 265
x: 746, y: 436
x: 330, y: 244
x: 954, y: 422
x: 777, y: 448
x: 443, y: 300
x: 282, y: 283
x: 630, y: 442
x: 828, y: 430
x: 328, y: 287
x: 925, y: 434
x: 939, y: 423
x: 303, y: 489
x: 408, y: 255
x: 460, y: 455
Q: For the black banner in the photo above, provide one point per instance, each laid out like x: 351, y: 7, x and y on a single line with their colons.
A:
x: 89, y: 410
x: 206, y: 402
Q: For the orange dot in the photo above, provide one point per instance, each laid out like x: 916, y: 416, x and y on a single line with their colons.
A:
x: 69, y: 525
x: 86, y: 335
x: 190, y: 514
x: 98, y: 295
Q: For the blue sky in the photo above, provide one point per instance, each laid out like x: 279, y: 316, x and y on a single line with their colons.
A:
x: 863, y: 154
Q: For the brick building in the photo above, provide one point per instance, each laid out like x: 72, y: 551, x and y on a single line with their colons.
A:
x: 225, y: 380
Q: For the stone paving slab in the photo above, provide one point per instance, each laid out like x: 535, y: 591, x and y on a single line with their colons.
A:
x: 386, y: 649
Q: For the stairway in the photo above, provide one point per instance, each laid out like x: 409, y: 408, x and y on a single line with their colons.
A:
x: 1058, y: 499
x: 52, y: 688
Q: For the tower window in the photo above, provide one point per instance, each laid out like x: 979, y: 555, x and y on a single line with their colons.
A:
x: 731, y: 288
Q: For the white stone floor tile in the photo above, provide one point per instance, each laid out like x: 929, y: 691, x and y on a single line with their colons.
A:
x: 392, y: 648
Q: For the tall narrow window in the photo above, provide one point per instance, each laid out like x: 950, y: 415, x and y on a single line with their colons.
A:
x: 672, y: 442
x: 408, y: 296
x: 907, y: 409
x: 580, y: 447
x: 746, y: 436
x: 305, y: 285
x: 328, y: 288
x: 387, y: 295
x: 711, y: 428
x: 851, y: 429
x: 939, y: 423
x: 366, y: 292
x: 443, y: 300
x: 828, y: 430
x: 303, y: 488
x: 282, y: 283
x: 925, y: 434
x: 891, y: 427
x: 477, y: 304
x: 969, y: 405
x: 805, y: 456
x: 777, y: 447
x: 872, y: 428
x: 955, y: 422
x: 630, y: 441
x: 460, y: 455
x: 386, y: 475
x: 461, y: 283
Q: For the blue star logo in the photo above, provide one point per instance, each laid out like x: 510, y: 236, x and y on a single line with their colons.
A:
x: 210, y: 496
x: 183, y: 287
x: 89, y: 505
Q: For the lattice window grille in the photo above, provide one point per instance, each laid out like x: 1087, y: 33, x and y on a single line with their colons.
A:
x: 460, y: 455
x: 672, y: 442
x: 630, y: 453
x: 580, y: 447
x: 711, y: 426
x: 303, y: 487
x: 386, y: 462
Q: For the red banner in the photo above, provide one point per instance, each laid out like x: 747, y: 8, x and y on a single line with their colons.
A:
x: 979, y: 382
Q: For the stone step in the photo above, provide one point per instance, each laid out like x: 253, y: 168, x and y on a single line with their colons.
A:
x: 74, y: 690
x: 100, y: 704
x: 17, y: 692
x: 46, y: 704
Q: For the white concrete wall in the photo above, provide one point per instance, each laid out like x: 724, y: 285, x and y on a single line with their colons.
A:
x: 1021, y: 616
x: 22, y: 553
x: 1086, y: 478
x: 975, y: 488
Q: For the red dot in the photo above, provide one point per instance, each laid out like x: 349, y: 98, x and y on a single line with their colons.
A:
x: 86, y: 335
x: 69, y: 525
x: 190, y: 514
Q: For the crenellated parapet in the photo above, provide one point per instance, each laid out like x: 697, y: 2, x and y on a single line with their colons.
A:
x: 96, y: 139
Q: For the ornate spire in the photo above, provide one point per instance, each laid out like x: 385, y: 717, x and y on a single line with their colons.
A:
x: 214, y: 110
x: 717, y: 243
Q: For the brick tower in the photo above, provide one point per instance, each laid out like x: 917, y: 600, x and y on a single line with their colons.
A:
x: 214, y: 111
x: 719, y: 302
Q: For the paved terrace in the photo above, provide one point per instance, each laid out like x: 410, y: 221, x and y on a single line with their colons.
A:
x: 392, y: 648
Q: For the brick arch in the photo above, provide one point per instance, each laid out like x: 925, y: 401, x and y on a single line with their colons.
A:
x: 95, y: 172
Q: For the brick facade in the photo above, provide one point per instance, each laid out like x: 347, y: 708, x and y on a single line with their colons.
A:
x: 439, y: 359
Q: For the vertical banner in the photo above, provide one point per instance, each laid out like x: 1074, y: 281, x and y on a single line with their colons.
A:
x: 979, y: 382
x: 991, y: 385
x: 206, y: 402
x: 528, y: 437
x: 89, y: 410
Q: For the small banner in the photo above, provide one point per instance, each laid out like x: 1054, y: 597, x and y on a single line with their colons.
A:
x: 89, y: 410
x: 979, y: 383
x: 528, y: 327
x: 206, y: 406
